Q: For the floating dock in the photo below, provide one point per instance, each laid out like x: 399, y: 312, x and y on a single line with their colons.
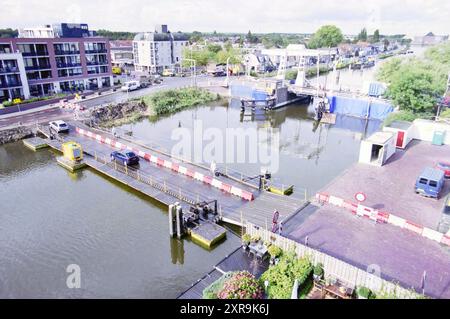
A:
x: 207, y: 234
x: 35, y: 143
x: 71, y: 166
x: 169, y: 180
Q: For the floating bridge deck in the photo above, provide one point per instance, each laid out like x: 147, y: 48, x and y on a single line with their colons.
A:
x: 167, y: 185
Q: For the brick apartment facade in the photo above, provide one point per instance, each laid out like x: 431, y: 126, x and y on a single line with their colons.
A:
x: 54, y: 65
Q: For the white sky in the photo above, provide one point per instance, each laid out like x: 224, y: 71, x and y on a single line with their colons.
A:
x: 413, y: 17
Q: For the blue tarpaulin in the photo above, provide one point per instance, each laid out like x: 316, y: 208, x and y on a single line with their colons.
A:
x: 259, y: 95
x: 364, y: 108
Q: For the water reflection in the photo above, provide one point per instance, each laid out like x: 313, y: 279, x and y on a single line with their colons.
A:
x: 177, y: 251
x: 311, y: 154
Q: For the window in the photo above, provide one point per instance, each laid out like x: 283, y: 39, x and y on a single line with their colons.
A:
x: 433, y: 183
x: 423, y: 181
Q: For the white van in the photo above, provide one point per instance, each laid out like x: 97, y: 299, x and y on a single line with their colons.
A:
x: 130, y: 86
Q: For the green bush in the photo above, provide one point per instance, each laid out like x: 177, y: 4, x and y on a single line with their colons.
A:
x: 445, y: 114
x: 364, y: 292
x: 281, y: 277
x: 318, y: 269
x: 171, y: 101
x: 274, y: 251
x: 212, y: 290
x: 246, y: 238
x: 407, y: 116
x: 241, y: 285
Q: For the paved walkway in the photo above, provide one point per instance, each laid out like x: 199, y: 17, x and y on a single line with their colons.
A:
x: 402, y: 255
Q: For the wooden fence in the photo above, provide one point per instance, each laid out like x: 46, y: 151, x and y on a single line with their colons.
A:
x: 333, y: 267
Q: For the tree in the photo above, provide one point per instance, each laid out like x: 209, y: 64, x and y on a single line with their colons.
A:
x: 252, y: 38
x: 196, y: 36
x: 326, y: 37
x: 8, y: 33
x: 214, y: 47
x: 388, y: 69
x: 362, y: 36
x: 376, y: 36
x: 416, y: 85
x: 386, y: 44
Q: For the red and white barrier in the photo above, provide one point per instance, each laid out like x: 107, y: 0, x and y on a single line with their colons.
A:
x: 170, y: 165
x: 383, y: 217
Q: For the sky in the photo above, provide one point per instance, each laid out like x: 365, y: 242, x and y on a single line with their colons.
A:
x: 411, y: 17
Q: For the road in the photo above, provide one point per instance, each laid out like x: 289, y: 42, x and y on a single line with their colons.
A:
x: 56, y: 113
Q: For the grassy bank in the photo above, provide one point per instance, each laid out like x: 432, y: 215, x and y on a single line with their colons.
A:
x: 172, y: 101
x: 130, y: 118
x: 163, y: 103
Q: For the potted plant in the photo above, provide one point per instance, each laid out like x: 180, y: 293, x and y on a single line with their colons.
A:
x: 363, y: 293
x: 318, y: 272
x: 246, y: 238
x: 274, y: 252
x: 255, y: 238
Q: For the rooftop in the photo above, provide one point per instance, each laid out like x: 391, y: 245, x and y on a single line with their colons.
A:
x: 402, y: 255
x: 380, y: 137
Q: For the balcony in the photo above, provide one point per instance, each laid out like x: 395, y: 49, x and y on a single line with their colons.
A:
x: 68, y: 65
x: 67, y: 52
x: 96, y: 51
x: 90, y: 63
x: 38, y: 67
x: 38, y: 53
x: 10, y: 84
x: 10, y: 70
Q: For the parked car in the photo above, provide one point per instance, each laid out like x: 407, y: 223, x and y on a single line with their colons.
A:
x: 430, y: 182
x: 168, y: 72
x: 130, y: 86
x: 445, y: 167
x: 59, y: 126
x: 126, y: 157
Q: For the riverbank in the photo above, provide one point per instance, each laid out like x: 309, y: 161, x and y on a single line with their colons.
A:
x: 153, y: 105
x: 15, y: 134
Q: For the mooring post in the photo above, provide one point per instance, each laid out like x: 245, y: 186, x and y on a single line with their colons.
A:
x: 179, y: 216
x: 171, y: 230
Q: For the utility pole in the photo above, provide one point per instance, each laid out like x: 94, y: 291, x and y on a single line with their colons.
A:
x: 447, y: 92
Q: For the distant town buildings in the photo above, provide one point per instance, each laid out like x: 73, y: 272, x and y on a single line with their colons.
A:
x: 57, y: 30
x: 430, y: 39
x: 158, y: 50
x: 61, y: 58
x: 122, y: 52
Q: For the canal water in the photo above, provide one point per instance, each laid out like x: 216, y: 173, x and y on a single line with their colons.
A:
x: 310, y: 154
x: 50, y: 218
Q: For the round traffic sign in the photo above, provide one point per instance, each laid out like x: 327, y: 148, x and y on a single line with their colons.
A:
x: 360, y: 197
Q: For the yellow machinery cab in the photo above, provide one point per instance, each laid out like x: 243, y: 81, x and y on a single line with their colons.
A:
x: 72, y: 151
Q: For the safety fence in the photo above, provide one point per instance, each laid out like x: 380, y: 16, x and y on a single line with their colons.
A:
x: 384, y: 217
x: 158, y: 183
x: 171, y: 165
x: 334, y: 269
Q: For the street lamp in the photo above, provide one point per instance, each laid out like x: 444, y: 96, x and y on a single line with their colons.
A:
x: 193, y: 64
x: 228, y: 61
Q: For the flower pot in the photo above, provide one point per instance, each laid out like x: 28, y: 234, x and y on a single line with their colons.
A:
x: 317, y: 277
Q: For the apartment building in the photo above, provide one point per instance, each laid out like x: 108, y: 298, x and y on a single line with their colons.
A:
x: 122, y: 52
x: 54, y: 65
x: 58, y: 30
x: 13, y: 79
x: 158, y: 50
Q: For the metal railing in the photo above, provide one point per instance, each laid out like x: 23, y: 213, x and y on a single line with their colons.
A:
x: 163, y: 185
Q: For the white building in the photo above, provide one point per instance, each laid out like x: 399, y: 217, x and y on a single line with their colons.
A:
x: 159, y: 50
x: 37, y: 32
x: 13, y: 79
